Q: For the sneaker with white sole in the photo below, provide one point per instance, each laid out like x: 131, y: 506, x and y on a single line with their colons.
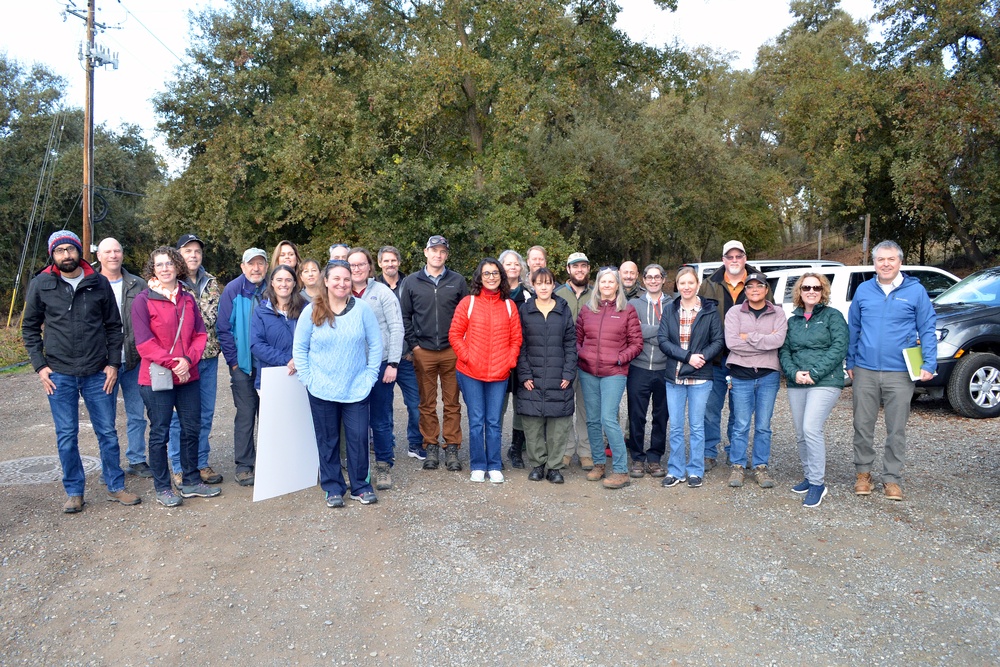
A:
x: 802, y: 487
x: 478, y: 476
x: 199, y: 490
x: 366, y: 498
x: 496, y: 477
x: 815, y: 495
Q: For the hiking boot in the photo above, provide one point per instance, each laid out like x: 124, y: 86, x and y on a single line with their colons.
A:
x: 802, y: 487
x: 893, y: 491
x: 168, y: 498
x: 366, y: 498
x: 123, y: 497
x: 736, y: 477
x: 431, y: 460
x: 140, y: 469
x: 516, y: 450
x: 596, y: 473
x: 587, y: 463
x: 177, y: 479
x: 616, y: 480
x: 451, y: 461
x: 209, y: 476
x: 245, y: 478
x: 637, y: 470
x: 383, y: 480
x: 710, y: 464
x: 814, y: 496
x: 764, y: 479
x: 416, y: 452
x: 863, y: 484
x: 655, y: 469
x: 73, y: 505
x: 200, y: 490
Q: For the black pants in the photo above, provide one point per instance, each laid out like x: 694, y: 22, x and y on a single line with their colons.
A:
x: 641, y: 386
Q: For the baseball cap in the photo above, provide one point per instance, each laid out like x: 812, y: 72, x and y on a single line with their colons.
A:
x: 576, y: 258
x: 188, y: 238
x: 437, y: 239
x: 733, y: 244
x: 759, y: 277
x: 250, y: 253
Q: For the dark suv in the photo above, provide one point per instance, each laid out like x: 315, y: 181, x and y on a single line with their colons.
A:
x: 968, y: 333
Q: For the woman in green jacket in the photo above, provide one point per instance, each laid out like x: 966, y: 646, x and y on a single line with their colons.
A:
x: 812, y: 359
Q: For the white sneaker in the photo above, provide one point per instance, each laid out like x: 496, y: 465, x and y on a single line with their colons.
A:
x: 478, y: 476
x: 496, y: 477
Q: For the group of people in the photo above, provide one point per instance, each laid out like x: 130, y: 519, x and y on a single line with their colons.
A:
x: 563, y: 355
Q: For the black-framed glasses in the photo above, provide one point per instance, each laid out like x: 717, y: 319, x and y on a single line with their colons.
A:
x: 490, y: 274
x: 654, y: 276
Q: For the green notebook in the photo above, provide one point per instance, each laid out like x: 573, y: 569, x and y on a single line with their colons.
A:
x: 914, y: 358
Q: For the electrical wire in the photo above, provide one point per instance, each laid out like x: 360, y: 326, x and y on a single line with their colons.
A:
x: 139, y: 21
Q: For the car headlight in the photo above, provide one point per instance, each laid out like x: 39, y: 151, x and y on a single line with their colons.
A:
x: 940, y: 334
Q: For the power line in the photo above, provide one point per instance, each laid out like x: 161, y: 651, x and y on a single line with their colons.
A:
x: 153, y: 35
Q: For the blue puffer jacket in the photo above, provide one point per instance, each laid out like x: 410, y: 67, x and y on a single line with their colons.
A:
x: 881, y: 326
x: 271, y: 338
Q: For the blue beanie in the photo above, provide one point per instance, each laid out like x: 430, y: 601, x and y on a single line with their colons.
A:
x: 64, y: 236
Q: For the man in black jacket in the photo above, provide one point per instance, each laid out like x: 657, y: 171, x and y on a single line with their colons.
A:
x: 428, y: 299
x: 79, y: 355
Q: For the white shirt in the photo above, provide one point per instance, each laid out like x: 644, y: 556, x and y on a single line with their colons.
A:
x: 896, y: 282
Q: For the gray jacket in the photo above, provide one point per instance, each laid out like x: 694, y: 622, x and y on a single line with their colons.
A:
x: 651, y: 358
x: 132, y: 286
x: 387, y: 311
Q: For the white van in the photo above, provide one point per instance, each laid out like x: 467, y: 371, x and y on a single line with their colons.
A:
x: 845, y: 280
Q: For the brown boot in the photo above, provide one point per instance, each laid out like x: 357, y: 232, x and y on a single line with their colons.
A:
x: 596, y: 473
x: 566, y: 461
x: 893, y: 491
x: 124, y: 497
x: 863, y: 485
x: 587, y: 463
x: 73, y: 505
x: 616, y: 480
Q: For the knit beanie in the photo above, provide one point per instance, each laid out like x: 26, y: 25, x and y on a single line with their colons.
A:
x: 64, y: 236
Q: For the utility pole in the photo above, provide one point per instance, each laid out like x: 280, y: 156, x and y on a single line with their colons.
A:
x: 91, y: 55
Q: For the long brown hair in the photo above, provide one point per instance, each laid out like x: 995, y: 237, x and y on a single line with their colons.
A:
x: 295, y: 301
x: 322, y: 313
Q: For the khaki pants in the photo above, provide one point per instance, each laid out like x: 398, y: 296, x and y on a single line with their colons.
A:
x: 430, y: 366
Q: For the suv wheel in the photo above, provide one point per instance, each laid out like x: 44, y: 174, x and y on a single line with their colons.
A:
x: 974, y: 386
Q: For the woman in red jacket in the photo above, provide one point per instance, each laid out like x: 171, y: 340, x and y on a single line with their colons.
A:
x: 169, y: 331
x: 608, y: 337
x: 486, y: 336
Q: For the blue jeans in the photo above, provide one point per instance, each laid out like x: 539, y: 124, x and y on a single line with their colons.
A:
x: 602, y: 396
x: 328, y: 416
x: 160, y: 405
x: 753, y: 398
x: 208, y: 380
x: 484, y: 403
x: 380, y: 404
x: 406, y: 380
x: 713, y: 412
x: 695, y: 398
x: 65, y: 403
x: 135, y: 413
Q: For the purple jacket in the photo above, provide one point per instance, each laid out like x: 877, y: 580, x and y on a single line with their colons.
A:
x: 764, y: 336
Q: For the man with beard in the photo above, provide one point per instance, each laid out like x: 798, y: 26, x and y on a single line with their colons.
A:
x: 725, y: 286
x: 78, y: 355
x: 233, y: 326
x: 576, y: 292
x: 629, y: 273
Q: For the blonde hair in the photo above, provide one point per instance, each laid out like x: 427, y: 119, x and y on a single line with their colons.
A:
x: 685, y: 270
x: 797, y: 289
x: 595, y: 297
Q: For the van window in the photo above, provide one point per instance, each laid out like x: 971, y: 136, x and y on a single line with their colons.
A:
x: 935, y: 283
x: 857, y: 278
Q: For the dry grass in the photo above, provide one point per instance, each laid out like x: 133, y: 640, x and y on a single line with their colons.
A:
x: 11, y: 348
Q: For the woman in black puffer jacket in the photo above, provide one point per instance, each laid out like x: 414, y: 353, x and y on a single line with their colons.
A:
x: 546, y: 369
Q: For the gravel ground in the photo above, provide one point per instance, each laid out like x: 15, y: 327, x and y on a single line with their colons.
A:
x: 445, y: 572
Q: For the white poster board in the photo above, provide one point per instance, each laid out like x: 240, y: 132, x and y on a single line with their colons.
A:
x: 287, y: 459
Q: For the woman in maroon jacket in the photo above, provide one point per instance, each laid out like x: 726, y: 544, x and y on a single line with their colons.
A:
x: 169, y: 331
x: 608, y: 337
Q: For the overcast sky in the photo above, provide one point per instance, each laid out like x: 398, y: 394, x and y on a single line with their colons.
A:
x: 151, y: 35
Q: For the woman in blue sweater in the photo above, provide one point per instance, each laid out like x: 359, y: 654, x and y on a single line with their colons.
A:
x: 272, y: 327
x: 337, y: 353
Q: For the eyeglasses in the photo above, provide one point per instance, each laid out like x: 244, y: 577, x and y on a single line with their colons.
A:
x: 756, y: 286
x: 358, y: 267
x: 733, y: 258
x: 490, y: 274
x: 811, y: 288
x: 652, y: 277
x: 163, y: 265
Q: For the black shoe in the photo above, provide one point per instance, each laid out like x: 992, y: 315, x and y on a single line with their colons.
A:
x: 451, y: 461
x: 516, y: 450
x: 670, y: 480
x: 694, y: 482
x: 432, y: 460
x: 536, y: 474
x: 140, y: 469
x: 554, y: 476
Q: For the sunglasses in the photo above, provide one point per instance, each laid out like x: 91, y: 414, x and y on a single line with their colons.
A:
x: 811, y: 288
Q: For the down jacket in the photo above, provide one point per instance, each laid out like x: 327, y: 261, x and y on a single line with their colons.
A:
x: 271, y: 338
x: 606, y: 341
x: 548, y: 356
x: 486, y: 336
x: 817, y: 345
x: 706, y: 339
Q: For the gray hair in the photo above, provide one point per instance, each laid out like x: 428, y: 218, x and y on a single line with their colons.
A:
x: 888, y: 245
x: 524, y: 278
x: 594, y: 303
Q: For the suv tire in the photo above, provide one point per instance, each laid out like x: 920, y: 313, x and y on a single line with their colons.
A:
x: 974, y: 386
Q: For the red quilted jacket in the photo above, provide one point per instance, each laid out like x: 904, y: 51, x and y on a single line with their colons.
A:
x: 606, y: 341
x: 486, y: 341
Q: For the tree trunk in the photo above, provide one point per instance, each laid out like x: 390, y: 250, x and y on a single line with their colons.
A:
x: 969, y: 245
x: 472, y: 122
